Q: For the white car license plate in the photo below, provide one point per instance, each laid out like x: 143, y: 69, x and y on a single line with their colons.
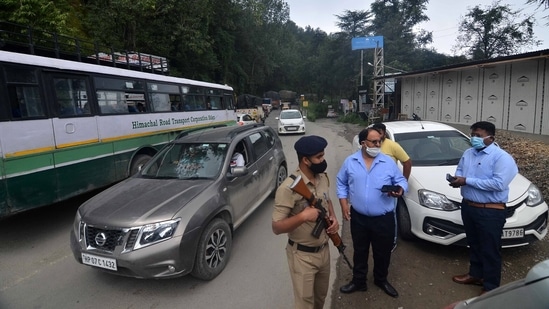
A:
x: 292, y: 129
x: 99, y: 261
x: 512, y: 233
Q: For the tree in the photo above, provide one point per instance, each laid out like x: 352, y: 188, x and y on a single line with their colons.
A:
x: 354, y: 23
x: 544, y: 3
x: 494, y: 31
x: 396, y: 21
x: 53, y: 16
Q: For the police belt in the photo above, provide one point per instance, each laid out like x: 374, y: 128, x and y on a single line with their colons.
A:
x: 304, y: 248
x: 500, y: 206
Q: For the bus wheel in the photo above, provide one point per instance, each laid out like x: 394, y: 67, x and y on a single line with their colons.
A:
x: 138, y: 162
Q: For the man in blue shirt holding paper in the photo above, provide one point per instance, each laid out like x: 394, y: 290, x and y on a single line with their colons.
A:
x: 360, y: 183
x: 483, y: 174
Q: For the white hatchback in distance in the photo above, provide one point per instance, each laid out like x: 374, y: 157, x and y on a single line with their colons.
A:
x: 242, y: 119
x: 431, y: 208
x: 291, y: 121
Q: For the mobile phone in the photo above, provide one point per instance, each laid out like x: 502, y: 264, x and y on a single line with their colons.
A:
x: 387, y: 188
x: 450, y: 178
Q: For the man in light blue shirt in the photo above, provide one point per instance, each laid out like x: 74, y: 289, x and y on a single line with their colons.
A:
x: 483, y: 174
x: 360, y: 183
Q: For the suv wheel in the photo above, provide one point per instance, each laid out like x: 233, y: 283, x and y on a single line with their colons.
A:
x: 281, y: 175
x: 404, y: 222
x: 214, y: 249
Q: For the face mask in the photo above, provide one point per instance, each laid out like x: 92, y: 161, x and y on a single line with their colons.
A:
x: 373, y: 152
x: 478, y: 142
x: 318, y: 168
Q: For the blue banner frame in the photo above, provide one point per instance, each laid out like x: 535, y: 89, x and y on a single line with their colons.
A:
x: 367, y: 42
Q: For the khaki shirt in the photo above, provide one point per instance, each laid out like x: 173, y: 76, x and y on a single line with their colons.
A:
x: 289, y: 203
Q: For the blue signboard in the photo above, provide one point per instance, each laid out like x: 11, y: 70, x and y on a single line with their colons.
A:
x: 367, y: 42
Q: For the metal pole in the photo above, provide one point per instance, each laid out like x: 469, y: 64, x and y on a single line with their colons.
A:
x: 361, y: 79
x: 361, y: 67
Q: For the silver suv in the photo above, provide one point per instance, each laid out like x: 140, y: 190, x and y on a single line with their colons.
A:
x: 177, y: 215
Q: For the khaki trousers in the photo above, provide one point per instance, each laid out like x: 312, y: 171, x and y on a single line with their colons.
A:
x: 310, y: 274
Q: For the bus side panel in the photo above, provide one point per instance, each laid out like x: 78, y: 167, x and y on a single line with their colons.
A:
x: 84, y: 168
x: 28, y: 169
x: 3, y: 188
x: 30, y: 182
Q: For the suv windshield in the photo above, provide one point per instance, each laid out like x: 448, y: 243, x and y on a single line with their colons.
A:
x: 290, y: 115
x: 434, y: 148
x: 187, y: 161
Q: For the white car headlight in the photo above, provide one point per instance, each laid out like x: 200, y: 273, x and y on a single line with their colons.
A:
x: 436, y: 201
x: 534, y: 196
x: 153, y: 233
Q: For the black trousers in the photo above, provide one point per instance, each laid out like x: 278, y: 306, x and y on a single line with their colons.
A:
x: 379, y: 232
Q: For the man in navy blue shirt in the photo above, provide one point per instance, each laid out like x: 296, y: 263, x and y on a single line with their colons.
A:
x: 483, y: 174
x: 359, y: 183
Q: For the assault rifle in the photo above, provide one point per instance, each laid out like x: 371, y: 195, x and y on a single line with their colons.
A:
x: 323, y: 220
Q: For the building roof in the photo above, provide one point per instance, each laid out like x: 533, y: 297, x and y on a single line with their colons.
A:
x: 475, y: 64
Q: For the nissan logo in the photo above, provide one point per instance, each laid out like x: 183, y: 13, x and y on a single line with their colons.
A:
x: 100, y: 239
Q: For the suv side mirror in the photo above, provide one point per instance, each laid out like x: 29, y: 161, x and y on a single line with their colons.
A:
x: 237, y: 171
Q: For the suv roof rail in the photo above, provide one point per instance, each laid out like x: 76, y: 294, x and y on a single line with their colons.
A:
x: 187, y: 132
x: 244, y: 128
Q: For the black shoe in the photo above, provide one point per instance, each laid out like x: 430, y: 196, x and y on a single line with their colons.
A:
x: 352, y: 287
x: 387, y: 288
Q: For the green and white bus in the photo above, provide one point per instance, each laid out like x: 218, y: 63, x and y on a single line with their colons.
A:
x: 69, y: 127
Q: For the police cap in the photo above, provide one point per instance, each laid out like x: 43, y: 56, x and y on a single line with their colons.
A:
x: 310, y: 145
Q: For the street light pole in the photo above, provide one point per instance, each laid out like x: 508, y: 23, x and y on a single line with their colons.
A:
x: 361, y: 79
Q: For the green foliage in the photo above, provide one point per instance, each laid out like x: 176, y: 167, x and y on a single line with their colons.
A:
x: 311, y: 116
x: 248, y: 44
x: 494, y: 31
x: 352, y: 118
x: 51, y: 16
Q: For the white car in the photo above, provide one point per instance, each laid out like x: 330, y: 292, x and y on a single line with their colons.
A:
x: 431, y: 208
x: 242, y: 119
x: 291, y: 121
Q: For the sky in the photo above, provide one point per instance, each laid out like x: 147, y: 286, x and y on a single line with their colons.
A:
x: 444, y: 17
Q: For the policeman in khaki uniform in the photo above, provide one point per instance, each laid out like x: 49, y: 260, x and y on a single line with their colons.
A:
x: 308, y: 257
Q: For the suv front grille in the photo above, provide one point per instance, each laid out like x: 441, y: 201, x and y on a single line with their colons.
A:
x: 132, y: 239
x: 103, y: 239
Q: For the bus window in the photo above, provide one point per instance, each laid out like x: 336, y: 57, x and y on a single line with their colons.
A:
x: 160, y: 102
x: 215, y: 102
x: 175, y: 101
x: 164, y: 97
x: 228, y: 101
x: 71, y: 95
x: 25, y: 102
x: 24, y: 94
x: 119, y: 96
x: 112, y: 102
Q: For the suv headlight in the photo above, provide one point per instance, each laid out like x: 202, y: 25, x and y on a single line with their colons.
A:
x: 534, y: 196
x: 436, y: 201
x: 153, y: 233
